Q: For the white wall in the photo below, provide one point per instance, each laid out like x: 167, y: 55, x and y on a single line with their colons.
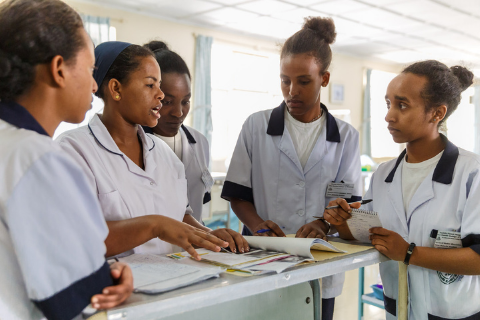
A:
x: 140, y: 28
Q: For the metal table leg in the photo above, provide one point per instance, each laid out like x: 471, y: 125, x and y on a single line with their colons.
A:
x: 317, y: 299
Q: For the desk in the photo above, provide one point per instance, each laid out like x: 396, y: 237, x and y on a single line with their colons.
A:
x: 228, y: 288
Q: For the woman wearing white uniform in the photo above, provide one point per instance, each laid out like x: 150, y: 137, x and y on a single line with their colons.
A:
x: 286, y: 157
x: 140, y: 182
x: 428, y: 200
x: 52, y: 231
x: 190, y: 146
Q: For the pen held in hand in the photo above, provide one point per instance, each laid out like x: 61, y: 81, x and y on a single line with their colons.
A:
x: 361, y: 203
x: 263, y: 230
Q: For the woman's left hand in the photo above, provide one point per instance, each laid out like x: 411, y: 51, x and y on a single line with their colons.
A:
x: 389, y: 243
x: 116, y: 294
x: 313, y: 229
x: 235, y: 240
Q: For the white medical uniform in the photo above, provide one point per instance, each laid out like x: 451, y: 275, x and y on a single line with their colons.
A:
x: 52, y: 233
x: 124, y: 189
x: 448, y: 199
x: 196, y: 159
x: 266, y: 171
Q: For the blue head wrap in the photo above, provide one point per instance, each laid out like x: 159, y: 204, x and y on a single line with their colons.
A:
x: 105, y: 55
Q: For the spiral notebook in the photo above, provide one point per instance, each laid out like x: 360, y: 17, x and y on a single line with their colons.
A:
x: 361, y: 221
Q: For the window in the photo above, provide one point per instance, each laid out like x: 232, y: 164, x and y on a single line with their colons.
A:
x: 243, y: 82
x: 461, y: 124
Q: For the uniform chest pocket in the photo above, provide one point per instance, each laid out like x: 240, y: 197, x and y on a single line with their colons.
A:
x: 113, y: 207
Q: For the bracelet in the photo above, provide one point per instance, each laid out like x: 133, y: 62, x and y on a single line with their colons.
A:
x: 327, y: 224
x: 409, y: 253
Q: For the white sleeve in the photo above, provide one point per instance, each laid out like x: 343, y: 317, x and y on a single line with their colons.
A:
x: 470, y: 220
x: 350, y: 170
x: 58, y: 233
x: 238, y: 183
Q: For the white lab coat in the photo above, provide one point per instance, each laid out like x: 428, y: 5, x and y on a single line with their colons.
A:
x: 52, y: 232
x: 266, y: 171
x: 447, y: 200
x: 125, y: 190
x: 196, y: 159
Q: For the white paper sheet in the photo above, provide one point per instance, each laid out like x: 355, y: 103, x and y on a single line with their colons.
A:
x: 360, y: 222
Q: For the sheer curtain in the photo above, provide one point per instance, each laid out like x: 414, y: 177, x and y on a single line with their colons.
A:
x: 202, y: 111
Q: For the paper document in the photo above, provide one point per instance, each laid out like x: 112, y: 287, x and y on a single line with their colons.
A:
x: 155, y: 274
x: 294, y: 246
x: 361, y: 221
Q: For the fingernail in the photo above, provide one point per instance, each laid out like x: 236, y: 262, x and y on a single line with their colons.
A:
x: 235, y: 250
x: 241, y: 250
x: 248, y: 249
x: 95, y: 300
x: 96, y: 306
x: 105, y: 291
x: 349, y: 211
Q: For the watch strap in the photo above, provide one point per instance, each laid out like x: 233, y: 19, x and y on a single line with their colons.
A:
x: 409, y: 253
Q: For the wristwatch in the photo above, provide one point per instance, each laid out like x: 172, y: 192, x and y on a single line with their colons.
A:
x: 409, y: 253
x: 327, y: 223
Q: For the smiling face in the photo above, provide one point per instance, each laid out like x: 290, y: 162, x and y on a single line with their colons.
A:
x: 176, y: 103
x: 141, y: 96
x: 301, y: 81
x: 407, y: 118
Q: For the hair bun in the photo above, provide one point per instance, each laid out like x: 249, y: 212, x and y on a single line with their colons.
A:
x: 464, y: 75
x: 156, y: 45
x: 323, y: 28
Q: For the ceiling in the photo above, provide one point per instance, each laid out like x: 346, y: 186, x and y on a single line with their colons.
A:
x: 399, y: 31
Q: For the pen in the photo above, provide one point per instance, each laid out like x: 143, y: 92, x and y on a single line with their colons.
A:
x: 263, y: 230
x: 362, y: 202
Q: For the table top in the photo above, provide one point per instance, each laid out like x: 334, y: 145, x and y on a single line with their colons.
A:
x: 229, y: 287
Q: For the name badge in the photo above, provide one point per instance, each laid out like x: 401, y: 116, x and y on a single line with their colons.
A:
x: 448, y: 240
x: 207, y: 179
x: 339, y: 190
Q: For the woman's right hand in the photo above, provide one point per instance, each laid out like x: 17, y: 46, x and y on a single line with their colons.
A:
x: 186, y: 236
x: 275, y: 230
x: 339, y: 216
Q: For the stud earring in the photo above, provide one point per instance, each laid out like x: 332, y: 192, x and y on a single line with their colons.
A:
x: 117, y: 97
x: 434, y: 119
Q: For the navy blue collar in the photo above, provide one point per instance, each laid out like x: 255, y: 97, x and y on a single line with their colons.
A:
x: 190, y: 138
x: 443, y: 172
x: 276, y: 124
x: 18, y: 116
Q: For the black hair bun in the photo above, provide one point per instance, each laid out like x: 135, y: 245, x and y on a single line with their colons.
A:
x: 156, y: 45
x: 465, y: 76
x: 15, y: 75
x: 324, y: 28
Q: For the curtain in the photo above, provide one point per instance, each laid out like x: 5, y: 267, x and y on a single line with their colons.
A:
x: 476, y: 105
x: 366, y: 124
x: 97, y: 27
x: 202, y: 111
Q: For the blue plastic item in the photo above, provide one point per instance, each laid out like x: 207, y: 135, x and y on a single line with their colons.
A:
x: 377, y: 291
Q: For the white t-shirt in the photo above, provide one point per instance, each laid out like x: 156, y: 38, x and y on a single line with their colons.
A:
x: 413, y: 175
x: 175, y: 143
x: 304, y: 135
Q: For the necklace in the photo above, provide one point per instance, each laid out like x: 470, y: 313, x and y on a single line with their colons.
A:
x: 316, y: 118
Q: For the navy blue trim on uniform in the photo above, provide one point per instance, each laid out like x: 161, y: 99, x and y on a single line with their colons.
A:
x: 472, y: 241
x: 475, y: 316
x: 235, y: 190
x: 190, y: 138
x: 69, y: 302
x: 152, y: 142
x: 443, y: 172
x: 207, y: 197
x: 390, y: 305
x: 276, y: 124
x: 147, y: 129
x: 93, y: 134
x: 17, y: 115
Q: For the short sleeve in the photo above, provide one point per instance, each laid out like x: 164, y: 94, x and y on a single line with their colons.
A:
x: 350, y: 170
x: 238, y: 182
x: 58, y: 234
x: 470, y: 229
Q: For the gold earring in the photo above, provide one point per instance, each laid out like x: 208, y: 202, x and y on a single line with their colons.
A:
x: 117, y: 97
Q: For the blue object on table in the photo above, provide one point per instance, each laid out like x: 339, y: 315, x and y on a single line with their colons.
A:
x: 263, y: 230
x: 377, y: 291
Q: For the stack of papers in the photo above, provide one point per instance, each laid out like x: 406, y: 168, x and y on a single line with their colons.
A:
x: 156, y: 274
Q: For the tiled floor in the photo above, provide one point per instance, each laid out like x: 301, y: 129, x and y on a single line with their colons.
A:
x: 346, y: 305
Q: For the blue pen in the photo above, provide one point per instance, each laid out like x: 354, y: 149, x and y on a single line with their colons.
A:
x: 263, y: 230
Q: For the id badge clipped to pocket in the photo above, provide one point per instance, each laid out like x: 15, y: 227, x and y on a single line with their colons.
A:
x: 448, y: 240
x: 207, y: 179
x: 339, y: 190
